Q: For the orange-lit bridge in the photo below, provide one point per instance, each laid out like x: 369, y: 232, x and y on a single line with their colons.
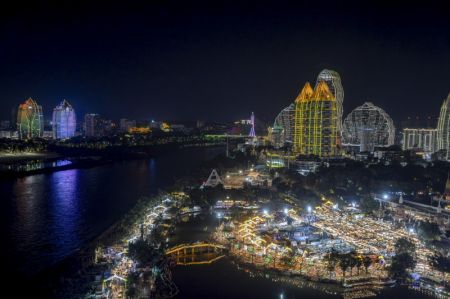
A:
x: 196, y: 253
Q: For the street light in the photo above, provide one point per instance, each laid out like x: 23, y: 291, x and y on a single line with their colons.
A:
x: 385, y: 196
x: 309, y: 209
x: 265, y: 212
x: 286, y: 211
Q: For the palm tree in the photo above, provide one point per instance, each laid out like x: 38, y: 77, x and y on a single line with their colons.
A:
x: 359, y: 262
x: 344, y: 263
x: 331, y: 260
x: 353, y: 261
x: 367, y: 261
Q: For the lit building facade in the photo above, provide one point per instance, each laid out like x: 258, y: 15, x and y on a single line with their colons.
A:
x: 424, y: 140
x: 443, y: 129
x: 93, y: 125
x: 64, y: 121
x: 30, y: 120
x: 315, y: 130
x: 367, y: 127
x: 334, y: 83
x: 125, y: 124
x: 283, y: 127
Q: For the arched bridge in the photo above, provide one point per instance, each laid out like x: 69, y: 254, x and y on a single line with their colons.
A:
x: 196, y: 253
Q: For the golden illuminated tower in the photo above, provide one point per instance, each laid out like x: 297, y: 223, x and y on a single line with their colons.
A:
x: 316, y: 121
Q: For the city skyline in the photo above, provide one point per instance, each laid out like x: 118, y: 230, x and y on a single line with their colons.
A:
x: 156, y: 56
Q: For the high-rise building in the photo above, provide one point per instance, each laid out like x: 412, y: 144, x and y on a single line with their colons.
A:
x: 30, y: 120
x: 64, y: 121
x: 315, y: 130
x: 333, y: 81
x: 424, y: 140
x: 367, y: 127
x: 125, y: 125
x: 283, y: 127
x: 443, y: 129
x: 93, y: 125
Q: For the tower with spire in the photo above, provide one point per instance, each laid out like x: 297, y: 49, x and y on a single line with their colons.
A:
x: 252, y: 123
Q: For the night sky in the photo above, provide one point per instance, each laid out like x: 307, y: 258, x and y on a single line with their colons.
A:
x: 210, y: 61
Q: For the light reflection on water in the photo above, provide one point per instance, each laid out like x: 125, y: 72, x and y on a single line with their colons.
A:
x: 45, y: 217
x: 65, y: 205
x: 34, y: 165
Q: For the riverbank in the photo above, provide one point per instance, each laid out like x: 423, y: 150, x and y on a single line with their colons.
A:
x: 79, y: 206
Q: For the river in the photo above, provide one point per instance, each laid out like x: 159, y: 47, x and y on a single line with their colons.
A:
x: 45, y: 217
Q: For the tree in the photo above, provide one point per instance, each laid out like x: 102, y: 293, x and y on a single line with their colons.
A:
x: 403, y: 260
x: 440, y: 263
x: 331, y: 260
x: 367, y: 262
x: 353, y: 261
x: 344, y: 263
x: 359, y: 262
x: 141, y: 251
x: 368, y: 204
x: 429, y: 231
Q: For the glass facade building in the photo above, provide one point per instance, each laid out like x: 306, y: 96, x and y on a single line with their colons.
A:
x: 333, y: 81
x: 366, y: 127
x: 30, y: 120
x: 94, y: 126
x: 64, y: 121
x: 283, y: 127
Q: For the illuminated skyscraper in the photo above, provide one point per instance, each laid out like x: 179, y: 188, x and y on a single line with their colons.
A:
x: 30, y: 120
x: 443, y: 129
x: 64, y: 121
x: 316, y: 122
x: 333, y: 81
x: 368, y: 126
x: 283, y: 126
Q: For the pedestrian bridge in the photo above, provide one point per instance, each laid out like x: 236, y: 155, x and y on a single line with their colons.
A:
x: 196, y: 253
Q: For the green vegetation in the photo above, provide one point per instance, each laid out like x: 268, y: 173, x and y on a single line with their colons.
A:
x: 428, y: 231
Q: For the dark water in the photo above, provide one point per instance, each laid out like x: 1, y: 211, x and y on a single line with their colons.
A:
x: 45, y: 217
x: 224, y: 279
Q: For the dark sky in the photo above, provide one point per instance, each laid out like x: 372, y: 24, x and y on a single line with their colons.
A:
x: 187, y: 61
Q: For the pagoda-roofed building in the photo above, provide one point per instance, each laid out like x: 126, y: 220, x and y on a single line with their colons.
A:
x: 315, y: 131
